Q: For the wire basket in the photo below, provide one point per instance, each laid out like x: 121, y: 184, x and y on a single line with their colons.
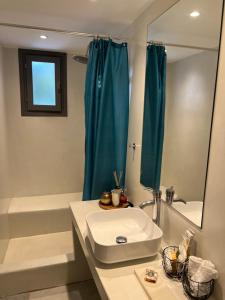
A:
x: 196, y: 290
x: 173, y: 268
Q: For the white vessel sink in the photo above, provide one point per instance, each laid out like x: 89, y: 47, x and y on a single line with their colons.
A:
x: 142, y: 234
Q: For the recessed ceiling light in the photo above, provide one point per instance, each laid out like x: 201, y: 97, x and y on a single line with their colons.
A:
x: 44, y: 37
x: 195, y: 14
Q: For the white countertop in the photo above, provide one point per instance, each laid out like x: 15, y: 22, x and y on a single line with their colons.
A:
x: 115, y: 281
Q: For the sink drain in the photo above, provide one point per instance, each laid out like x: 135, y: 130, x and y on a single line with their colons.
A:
x: 121, y: 239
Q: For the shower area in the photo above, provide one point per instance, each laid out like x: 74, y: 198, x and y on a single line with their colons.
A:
x: 42, y: 162
x: 49, y: 160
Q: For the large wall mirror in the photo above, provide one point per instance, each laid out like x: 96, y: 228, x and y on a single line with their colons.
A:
x: 190, y: 31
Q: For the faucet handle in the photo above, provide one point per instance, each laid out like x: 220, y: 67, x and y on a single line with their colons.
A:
x: 170, y: 195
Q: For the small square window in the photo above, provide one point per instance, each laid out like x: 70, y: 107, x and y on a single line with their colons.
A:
x: 43, y: 83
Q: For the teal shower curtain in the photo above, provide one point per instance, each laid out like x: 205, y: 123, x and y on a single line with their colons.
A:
x: 106, y: 116
x: 153, y: 119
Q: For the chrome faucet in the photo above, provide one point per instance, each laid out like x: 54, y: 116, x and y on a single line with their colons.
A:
x: 156, y: 201
x: 170, y: 192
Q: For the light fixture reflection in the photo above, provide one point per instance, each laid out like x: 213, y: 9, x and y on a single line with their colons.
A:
x: 195, y: 14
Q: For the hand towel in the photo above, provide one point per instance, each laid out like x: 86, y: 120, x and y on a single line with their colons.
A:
x: 201, y: 271
x: 205, y: 273
x: 193, y: 264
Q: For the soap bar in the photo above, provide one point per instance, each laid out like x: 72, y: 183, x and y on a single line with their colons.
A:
x: 151, y: 276
x: 159, y: 290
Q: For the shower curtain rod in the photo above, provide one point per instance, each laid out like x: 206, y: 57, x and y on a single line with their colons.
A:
x: 72, y: 33
x: 181, y: 46
x: 104, y: 36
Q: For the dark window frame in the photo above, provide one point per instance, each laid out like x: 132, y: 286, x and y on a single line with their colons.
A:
x: 26, y: 56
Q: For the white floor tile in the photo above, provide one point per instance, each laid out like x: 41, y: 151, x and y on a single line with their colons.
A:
x: 79, y: 291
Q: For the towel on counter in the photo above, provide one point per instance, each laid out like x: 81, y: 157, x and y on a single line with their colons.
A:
x: 205, y: 272
x: 193, y: 264
x: 200, y: 271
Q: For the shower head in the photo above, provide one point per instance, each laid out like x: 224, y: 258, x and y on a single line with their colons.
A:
x: 83, y: 59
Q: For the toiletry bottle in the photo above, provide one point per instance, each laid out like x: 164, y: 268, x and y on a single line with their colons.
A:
x: 173, y: 261
x: 190, y: 237
x: 116, y: 197
x: 123, y: 198
x: 185, y: 246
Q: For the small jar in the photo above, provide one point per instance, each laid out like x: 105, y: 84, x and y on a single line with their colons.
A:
x: 105, y: 198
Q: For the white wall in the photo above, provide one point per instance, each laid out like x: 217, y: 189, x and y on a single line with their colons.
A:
x: 189, y: 103
x: 211, y: 239
x: 47, y: 153
x: 5, y: 185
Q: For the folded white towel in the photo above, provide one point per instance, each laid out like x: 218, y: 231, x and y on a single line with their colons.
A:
x: 201, y: 271
x: 205, y: 274
x: 193, y: 264
x: 208, y: 263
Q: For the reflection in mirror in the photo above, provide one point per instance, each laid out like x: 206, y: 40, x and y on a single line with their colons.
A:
x: 192, y: 44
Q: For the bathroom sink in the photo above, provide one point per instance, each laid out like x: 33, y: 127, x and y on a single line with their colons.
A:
x: 122, y: 235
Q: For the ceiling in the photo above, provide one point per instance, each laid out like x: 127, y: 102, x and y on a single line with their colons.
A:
x: 176, y: 26
x: 92, y: 16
